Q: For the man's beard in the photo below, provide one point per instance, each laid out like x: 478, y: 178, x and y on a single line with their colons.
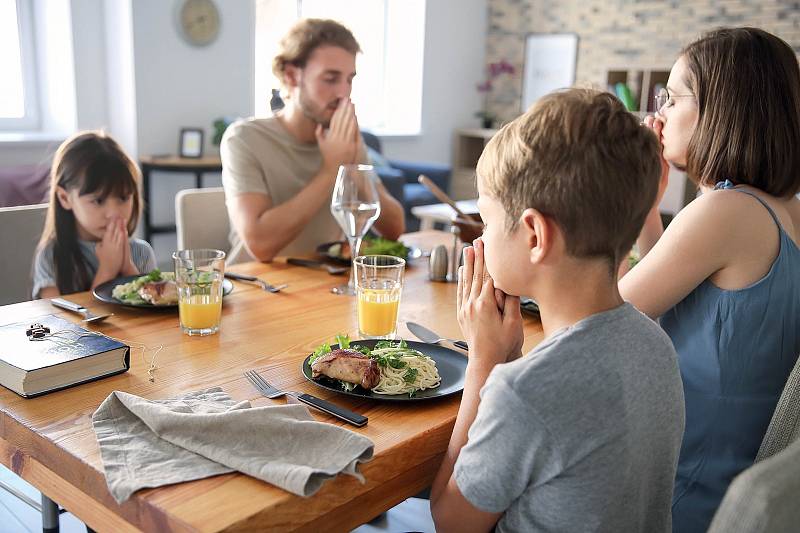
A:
x: 311, y: 110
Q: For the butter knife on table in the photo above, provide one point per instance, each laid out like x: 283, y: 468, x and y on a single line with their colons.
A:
x: 426, y: 335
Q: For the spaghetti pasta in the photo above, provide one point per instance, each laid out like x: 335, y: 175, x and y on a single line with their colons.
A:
x: 404, y: 371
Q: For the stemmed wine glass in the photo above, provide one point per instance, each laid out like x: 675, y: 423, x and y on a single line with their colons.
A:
x: 355, y: 205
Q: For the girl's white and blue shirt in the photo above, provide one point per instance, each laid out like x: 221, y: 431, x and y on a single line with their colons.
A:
x: 44, y: 270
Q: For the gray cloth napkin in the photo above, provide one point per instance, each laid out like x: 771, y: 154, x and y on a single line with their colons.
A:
x: 150, y: 443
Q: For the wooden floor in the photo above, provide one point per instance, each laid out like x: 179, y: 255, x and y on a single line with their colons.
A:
x: 16, y: 516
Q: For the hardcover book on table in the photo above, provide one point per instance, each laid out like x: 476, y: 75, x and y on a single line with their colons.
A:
x: 69, y: 355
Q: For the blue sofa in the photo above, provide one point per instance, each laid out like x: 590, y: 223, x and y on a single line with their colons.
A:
x: 400, y: 178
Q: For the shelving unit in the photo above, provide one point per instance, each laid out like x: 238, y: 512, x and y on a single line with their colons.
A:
x: 468, y: 146
x: 642, y: 83
x: 171, y: 164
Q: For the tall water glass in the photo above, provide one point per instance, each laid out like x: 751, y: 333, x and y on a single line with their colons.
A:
x: 379, y: 284
x: 199, y: 275
x: 355, y: 205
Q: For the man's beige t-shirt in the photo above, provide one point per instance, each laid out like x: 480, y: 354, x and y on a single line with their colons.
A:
x: 261, y: 156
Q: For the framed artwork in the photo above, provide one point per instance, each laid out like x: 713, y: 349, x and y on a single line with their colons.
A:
x: 191, y: 143
x: 550, y: 61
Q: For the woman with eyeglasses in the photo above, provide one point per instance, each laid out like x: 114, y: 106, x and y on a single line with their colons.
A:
x: 724, y: 277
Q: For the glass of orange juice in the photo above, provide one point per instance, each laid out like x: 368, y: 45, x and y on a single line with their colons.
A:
x: 379, y: 282
x: 199, y: 275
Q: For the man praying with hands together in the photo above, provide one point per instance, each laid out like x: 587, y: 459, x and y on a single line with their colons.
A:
x: 279, y: 172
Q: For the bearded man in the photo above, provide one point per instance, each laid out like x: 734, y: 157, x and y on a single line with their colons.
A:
x: 279, y: 172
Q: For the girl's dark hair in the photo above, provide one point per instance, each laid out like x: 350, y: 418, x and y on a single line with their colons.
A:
x: 93, y: 163
x: 747, y: 85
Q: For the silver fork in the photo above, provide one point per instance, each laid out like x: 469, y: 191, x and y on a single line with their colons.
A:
x: 271, y: 392
x: 264, y: 285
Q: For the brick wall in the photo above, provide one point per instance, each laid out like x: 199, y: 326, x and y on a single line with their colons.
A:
x: 620, y: 34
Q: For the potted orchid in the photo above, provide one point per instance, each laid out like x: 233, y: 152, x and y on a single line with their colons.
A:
x: 493, y: 71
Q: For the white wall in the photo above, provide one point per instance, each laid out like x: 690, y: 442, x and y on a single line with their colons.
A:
x: 120, y: 76
x: 89, y: 41
x: 179, y: 85
x: 168, y: 84
x: 455, y: 48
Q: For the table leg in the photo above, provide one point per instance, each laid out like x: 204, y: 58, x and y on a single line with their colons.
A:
x: 198, y: 180
x: 49, y: 515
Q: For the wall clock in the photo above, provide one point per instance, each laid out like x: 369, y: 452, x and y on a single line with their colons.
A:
x: 198, y: 21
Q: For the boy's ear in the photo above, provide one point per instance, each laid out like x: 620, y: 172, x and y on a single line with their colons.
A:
x: 63, y: 198
x: 538, y: 234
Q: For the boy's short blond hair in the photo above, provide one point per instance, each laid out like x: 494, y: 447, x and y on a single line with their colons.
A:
x: 580, y: 158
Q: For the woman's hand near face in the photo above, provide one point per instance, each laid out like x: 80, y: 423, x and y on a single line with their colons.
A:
x: 657, y: 125
x: 653, y: 227
x: 489, y: 319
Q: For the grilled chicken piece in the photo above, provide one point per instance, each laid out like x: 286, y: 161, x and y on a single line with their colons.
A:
x: 160, y: 292
x: 348, y: 365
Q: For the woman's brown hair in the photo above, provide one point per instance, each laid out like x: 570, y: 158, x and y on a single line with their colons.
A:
x: 305, y: 37
x: 747, y: 85
x: 93, y: 163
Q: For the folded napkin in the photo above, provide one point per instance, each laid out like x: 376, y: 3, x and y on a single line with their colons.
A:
x: 150, y: 443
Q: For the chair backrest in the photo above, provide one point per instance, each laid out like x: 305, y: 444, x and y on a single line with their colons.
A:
x: 784, y: 428
x: 764, y: 498
x: 20, y: 230
x: 201, y: 219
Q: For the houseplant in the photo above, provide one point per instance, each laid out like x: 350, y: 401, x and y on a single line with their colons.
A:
x: 493, y: 71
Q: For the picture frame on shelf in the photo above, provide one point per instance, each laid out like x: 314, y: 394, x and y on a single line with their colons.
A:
x: 550, y: 63
x: 190, y: 143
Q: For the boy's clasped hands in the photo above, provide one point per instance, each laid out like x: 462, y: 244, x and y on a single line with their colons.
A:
x: 489, y: 318
x: 114, y: 251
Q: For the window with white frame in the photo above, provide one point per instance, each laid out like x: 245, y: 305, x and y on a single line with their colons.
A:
x: 18, y: 101
x: 387, y: 89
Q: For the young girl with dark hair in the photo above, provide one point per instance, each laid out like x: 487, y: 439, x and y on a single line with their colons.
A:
x: 94, y: 209
x: 723, y: 277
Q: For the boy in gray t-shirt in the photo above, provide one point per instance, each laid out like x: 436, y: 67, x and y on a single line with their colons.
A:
x: 578, y: 441
x: 583, y: 433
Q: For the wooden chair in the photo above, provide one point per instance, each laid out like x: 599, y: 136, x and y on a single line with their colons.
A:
x: 20, y: 230
x: 201, y: 219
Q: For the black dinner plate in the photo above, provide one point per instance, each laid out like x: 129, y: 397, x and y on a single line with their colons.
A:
x: 529, y: 306
x: 451, y: 364
x: 325, y: 251
x: 103, y: 293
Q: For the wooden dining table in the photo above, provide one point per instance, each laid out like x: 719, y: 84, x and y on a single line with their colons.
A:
x: 49, y: 440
